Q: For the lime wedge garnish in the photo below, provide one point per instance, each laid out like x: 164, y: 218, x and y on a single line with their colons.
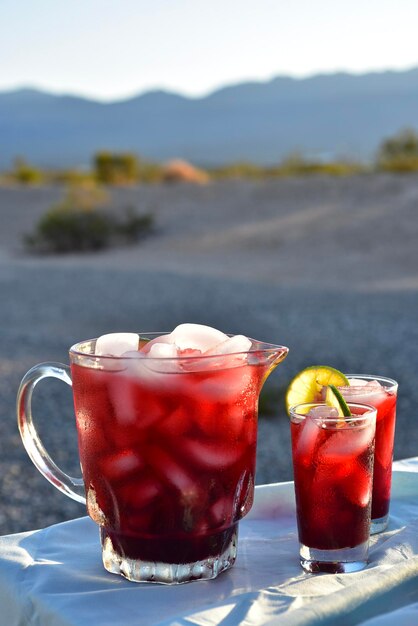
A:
x: 307, y: 385
x: 334, y: 398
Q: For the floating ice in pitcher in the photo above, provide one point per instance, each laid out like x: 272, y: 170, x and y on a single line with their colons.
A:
x: 172, y: 469
x: 121, y: 464
x: 194, y: 340
x: 215, y: 454
x: 161, y: 350
x: 231, y: 345
x: 196, y: 337
x: 162, y: 353
x: 116, y: 344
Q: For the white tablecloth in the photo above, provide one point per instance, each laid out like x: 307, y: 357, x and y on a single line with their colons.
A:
x: 54, y: 577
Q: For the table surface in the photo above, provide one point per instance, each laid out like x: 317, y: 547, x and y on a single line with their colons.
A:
x: 54, y: 576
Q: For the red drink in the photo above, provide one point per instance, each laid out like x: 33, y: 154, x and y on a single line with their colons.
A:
x: 168, y: 465
x: 380, y: 393
x: 333, y: 465
x: 385, y: 433
x: 167, y: 429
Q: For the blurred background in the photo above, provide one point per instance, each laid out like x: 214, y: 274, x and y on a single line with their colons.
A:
x: 249, y: 165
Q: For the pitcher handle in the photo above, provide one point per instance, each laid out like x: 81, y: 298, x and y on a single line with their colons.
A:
x: 72, y: 487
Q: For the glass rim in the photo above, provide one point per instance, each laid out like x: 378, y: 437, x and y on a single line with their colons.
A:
x: 260, y: 346
x: 391, y: 386
x: 358, y: 417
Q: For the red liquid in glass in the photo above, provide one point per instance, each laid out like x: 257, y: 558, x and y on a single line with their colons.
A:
x: 385, y: 403
x: 168, y: 459
x: 333, y: 480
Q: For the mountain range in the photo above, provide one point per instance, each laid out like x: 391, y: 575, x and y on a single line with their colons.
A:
x: 326, y: 116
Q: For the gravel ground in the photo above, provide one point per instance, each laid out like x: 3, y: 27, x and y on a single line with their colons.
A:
x: 328, y: 267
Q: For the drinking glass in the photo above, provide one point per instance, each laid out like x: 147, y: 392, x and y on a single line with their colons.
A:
x: 333, y: 473
x: 383, y: 397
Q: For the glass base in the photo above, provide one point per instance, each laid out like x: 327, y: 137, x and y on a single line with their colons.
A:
x: 339, y: 561
x: 379, y: 525
x: 141, y: 571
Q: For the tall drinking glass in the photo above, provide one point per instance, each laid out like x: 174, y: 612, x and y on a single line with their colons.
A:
x: 167, y: 449
x: 382, y: 394
x: 333, y: 472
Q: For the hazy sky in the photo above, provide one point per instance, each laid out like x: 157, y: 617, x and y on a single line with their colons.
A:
x: 114, y: 49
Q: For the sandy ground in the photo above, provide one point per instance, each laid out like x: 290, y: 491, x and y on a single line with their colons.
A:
x: 328, y: 267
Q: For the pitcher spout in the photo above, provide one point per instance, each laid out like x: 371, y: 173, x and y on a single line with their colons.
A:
x: 267, y: 356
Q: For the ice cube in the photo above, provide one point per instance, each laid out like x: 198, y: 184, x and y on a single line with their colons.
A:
x: 122, y: 398
x: 373, y: 385
x: 232, y: 345
x: 230, y: 353
x: 346, y: 443
x: 357, y: 486
x: 360, y: 390
x: 361, y: 387
x: 170, y: 470
x: 140, y: 492
x: 226, y: 388
x: 134, y: 399
x: 149, y: 367
x: 161, y: 350
x: 354, y: 393
x: 115, y: 344
x: 357, y: 382
x: 133, y: 354
x: 121, y: 464
x: 323, y: 412
x: 212, y: 454
x: 146, y: 346
x: 307, y: 441
x: 221, y: 512
x: 197, y: 337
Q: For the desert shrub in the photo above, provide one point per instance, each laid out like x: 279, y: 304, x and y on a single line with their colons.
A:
x: 79, y: 224
x: 150, y: 173
x: 72, y: 178
x: 239, y: 169
x: 116, y: 168
x: 68, y: 230
x: 25, y: 174
x: 297, y: 165
x: 399, y: 153
x: 293, y: 165
x: 401, y: 165
x: 133, y: 225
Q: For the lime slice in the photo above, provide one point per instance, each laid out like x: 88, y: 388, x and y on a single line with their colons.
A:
x: 334, y: 398
x: 307, y: 385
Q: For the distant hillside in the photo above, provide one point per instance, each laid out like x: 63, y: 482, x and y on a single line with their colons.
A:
x: 326, y: 115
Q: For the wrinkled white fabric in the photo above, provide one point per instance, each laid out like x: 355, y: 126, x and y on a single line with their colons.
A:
x: 54, y: 577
